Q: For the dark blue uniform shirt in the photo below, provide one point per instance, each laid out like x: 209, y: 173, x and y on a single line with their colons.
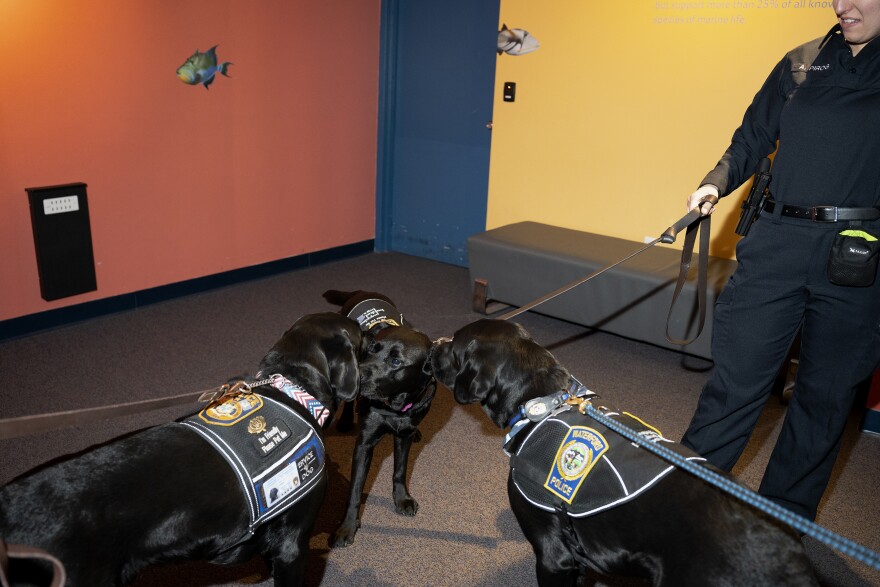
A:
x: 827, y: 127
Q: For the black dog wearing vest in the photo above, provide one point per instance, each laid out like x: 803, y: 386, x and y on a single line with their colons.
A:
x: 663, y: 524
x: 400, y: 402
x: 166, y: 494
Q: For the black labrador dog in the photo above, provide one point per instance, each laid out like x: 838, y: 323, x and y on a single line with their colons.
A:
x: 402, y: 399
x: 168, y: 494
x: 674, y: 530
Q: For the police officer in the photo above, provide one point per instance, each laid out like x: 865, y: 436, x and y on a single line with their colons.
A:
x: 822, y: 104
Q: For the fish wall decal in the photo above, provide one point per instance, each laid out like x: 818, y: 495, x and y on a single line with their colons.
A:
x: 201, y: 68
x: 516, y: 41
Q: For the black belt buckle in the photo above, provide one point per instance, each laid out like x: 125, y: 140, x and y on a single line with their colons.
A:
x: 820, y: 213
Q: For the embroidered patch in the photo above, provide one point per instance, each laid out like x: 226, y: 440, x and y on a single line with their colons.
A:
x: 231, y: 410
x: 578, y: 453
x: 270, y: 438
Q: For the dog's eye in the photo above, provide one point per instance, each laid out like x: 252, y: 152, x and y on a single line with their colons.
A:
x: 395, y: 362
x: 374, y: 347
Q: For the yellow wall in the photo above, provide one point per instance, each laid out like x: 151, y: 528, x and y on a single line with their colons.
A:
x: 627, y: 105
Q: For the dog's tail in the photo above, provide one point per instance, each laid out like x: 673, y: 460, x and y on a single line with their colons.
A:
x: 335, y: 296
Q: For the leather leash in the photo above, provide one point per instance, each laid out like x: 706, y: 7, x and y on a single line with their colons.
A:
x: 19, y: 551
x: 687, y: 250
x: 24, y: 425
x: 691, y: 221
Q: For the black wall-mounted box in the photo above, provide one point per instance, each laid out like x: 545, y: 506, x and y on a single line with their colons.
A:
x: 62, y: 240
x: 509, y: 91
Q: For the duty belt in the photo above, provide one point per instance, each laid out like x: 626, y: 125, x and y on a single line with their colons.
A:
x: 824, y: 213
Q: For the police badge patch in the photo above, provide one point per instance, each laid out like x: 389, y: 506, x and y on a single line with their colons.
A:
x: 231, y: 410
x: 578, y: 453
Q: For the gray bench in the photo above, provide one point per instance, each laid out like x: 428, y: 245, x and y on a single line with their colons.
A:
x: 519, y: 263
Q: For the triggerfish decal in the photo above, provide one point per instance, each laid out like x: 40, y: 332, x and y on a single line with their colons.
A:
x: 201, y: 67
x: 516, y: 41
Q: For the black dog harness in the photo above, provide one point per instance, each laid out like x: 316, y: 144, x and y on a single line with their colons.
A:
x: 374, y: 315
x: 567, y: 460
x: 276, y: 453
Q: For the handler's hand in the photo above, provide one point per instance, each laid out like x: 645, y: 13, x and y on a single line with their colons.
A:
x: 703, y: 192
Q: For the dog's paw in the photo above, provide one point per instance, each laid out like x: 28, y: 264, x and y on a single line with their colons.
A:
x: 344, y: 535
x: 406, y: 506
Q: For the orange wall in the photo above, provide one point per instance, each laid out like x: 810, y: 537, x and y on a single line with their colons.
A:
x: 275, y: 161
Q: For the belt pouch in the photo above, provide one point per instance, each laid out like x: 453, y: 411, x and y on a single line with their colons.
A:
x: 854, y: 257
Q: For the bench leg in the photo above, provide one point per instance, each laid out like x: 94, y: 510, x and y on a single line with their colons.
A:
x: 480, y: 299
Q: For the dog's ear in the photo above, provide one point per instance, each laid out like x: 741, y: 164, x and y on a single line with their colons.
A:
x: 466, y: 371
x: 345, y: 380
x: 476, y: 378
x: 365, y: 346
x: 344, y: 370
x: 442, y: 363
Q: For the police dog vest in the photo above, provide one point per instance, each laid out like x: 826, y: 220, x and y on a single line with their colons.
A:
x: 572, y: 460
x: 275, y: 452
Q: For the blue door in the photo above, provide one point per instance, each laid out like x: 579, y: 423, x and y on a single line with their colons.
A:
x: 437, y: 77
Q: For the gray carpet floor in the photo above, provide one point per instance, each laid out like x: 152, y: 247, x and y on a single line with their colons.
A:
x: 464, y: 533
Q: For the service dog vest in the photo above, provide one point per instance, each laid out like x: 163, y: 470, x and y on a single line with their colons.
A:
x: 572, y: 460
x: 275, y: 452
x: 373, y: 315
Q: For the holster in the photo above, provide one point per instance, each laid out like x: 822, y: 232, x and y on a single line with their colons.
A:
x: 752, y: 205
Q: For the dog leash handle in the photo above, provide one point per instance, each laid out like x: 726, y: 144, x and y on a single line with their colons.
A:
x: 670, y: 233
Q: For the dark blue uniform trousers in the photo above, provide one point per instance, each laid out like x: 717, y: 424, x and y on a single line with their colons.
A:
x: 781, y: 284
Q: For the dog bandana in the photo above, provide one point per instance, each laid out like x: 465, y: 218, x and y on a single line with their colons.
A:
x: 377, y: 314
x: 275, y: 452
x: 572, y: 459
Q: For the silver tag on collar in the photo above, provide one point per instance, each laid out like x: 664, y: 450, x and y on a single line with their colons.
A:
x: 539, y: 408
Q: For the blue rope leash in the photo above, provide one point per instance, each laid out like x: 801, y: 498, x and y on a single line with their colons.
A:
x: 836, y: 541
